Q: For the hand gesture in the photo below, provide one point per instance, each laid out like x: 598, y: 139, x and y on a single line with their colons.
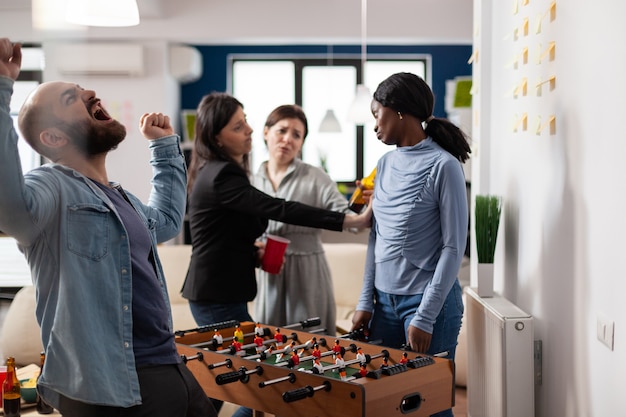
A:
x: 155, y: 125
x: 419, y: 340
x: 367, y: 193
x: 361, y: 321
x: 10, y: 58
x: 359, y: 221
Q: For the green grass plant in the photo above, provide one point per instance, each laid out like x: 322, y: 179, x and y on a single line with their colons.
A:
x: 487, y: 210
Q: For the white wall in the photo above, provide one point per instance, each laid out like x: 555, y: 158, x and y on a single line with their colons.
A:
x: 561, y: 252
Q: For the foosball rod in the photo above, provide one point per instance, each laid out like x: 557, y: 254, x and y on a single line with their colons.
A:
x: 232, y: 350
x: 305, y: 358
x: 368, y: 359
x: 208, y: 327
x: 304, y: 324
x: 291, y: 378
x: 214, y: 343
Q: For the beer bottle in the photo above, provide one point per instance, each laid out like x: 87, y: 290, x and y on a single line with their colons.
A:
x: 357, y: 202
x: 11, y: 393
x: 42, y: 406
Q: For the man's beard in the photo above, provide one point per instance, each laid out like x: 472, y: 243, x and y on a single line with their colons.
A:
x: 94, y: 140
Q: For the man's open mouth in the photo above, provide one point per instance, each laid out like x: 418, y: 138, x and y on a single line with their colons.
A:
x: 99, y: 113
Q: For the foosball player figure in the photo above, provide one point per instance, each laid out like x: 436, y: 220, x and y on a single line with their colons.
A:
x: 339, y: 360
x: 318, y: 365
x: 236, y: 344
x: 258, y: 330
x: 312, y: 341
x: 363, y: 370
x: 317, y: 353
x: 218, y: 337
x: 238, y: 335
x: 278, y: 337
x: 405, y: 358
x: 360, y: 355
x: 267, y: 352
x: 287, y: 350
x: 342, y: 373
x: 258, y: 341
x: 337, y: 347
x: 385, y: 362
x: 295, y: 359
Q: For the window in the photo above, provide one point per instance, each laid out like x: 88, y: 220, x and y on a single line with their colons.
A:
x: 30, y: 77
x: 15, y: 271
x: 318, y: 84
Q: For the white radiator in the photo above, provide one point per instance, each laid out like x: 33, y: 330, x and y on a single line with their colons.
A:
x: 500, y: 348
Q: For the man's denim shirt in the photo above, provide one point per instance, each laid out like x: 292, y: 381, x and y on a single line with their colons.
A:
x: 79, y: 255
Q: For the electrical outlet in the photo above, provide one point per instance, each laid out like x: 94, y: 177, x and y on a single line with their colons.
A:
x: 605, y: 330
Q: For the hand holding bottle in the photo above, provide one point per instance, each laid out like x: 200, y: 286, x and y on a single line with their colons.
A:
x: 363, y: 192
x: 359, y: 221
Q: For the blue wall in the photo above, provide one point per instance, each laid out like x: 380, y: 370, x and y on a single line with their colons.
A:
x: 448, y: 61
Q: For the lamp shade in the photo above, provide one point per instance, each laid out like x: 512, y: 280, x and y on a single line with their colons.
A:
x: 99, y: 13
x: 330, y: 124
x: 360, y: 110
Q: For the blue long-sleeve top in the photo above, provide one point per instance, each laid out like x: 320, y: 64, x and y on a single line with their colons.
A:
x: 420, y: 227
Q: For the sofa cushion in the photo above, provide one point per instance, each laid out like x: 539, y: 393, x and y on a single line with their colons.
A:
x: 347, y: 264
x: 20, y: 335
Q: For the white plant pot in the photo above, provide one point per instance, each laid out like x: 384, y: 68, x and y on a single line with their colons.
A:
x: 485, y: 280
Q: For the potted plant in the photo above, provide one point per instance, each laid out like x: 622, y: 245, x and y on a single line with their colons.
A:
x: 487, y: 220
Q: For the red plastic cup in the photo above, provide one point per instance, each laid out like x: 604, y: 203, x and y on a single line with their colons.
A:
x: 3, y: 376
x: 275, y: 248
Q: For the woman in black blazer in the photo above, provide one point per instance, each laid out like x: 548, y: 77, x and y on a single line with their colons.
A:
x: 227, y: 214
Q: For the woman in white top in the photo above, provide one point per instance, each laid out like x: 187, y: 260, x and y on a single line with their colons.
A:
x: 303, y: 289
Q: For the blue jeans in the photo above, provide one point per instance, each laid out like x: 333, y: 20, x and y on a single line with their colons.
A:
x: 393, y: 314
x: 205, y: 313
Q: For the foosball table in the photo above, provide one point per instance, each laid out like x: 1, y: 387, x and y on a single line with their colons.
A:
x: 287, y: 371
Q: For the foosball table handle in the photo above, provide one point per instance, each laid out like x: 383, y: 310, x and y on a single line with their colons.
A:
x: 241, y: 375
x: 304, y: 392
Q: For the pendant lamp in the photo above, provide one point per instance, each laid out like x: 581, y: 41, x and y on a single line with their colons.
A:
x: 359, y: 112
x: 330, y: 123
x: 112, y: 13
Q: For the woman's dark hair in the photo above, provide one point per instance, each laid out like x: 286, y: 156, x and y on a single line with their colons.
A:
x: 214, y: 112
x: 407, y: 93
x: 288, y: 111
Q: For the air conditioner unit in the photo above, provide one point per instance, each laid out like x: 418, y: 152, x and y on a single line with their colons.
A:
x: 100, y: 59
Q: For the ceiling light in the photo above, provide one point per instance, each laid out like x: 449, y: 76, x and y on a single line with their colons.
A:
x: 330, y: 123
x: 360, y: 109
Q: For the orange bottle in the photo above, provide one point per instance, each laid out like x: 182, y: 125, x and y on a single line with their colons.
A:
x: 42, y: 406
x: 357, y: 202
x: 11, y: 391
